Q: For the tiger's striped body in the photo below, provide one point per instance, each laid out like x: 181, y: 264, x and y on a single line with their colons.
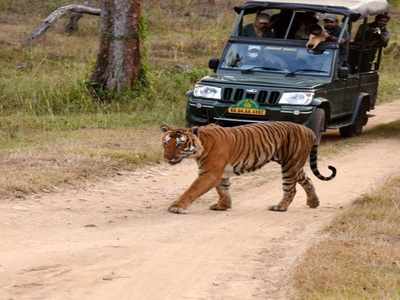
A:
x: 222, y: 152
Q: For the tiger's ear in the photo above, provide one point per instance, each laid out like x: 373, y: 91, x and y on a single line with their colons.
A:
x: 164, y: 128
x: 195, y: 130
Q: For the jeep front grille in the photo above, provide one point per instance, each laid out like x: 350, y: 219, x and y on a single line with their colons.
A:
x: 250, y: 96
x: 227, y: 95
x: 274, y: 97
x: 238, y: 95
x: 262, y: 96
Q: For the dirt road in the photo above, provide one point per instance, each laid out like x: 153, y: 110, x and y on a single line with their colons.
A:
x: 115, y: 239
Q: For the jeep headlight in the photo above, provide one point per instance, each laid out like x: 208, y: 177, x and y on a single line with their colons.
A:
x: 296, y: 98
x: 206, y: 91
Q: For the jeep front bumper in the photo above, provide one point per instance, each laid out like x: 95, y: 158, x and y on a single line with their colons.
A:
x: 202, y: 112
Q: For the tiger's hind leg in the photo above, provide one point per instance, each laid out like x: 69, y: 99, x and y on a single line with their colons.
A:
x: 289, y: 180
x: 224, y: 201
x: 312, y: 198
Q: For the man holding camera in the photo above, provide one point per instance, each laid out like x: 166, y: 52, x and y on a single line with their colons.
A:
x: 375, y: 36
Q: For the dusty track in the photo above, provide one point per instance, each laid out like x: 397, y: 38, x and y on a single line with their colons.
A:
x: 115, y: 240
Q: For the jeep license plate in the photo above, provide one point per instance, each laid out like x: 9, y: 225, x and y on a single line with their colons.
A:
x: 247, y: 107
x: 247, y: 111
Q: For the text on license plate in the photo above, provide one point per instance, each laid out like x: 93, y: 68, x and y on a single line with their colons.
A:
x: 247, y: 111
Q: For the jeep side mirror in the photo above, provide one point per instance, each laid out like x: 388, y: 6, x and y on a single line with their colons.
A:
x: 343, y: 72
x: 213, y: 64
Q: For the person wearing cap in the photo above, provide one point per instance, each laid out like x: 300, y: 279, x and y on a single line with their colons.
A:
x: 332, y: 27
x: 375, y: 36
x: 262, y: 27
x: 334, y: 30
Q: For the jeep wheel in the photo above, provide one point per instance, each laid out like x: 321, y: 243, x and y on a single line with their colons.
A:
x: 356, y: 128
x: 317, y: 123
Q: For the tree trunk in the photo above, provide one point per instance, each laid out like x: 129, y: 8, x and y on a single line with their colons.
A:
x: 118, y: 61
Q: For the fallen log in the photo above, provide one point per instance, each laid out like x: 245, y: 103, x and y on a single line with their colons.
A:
x: 55, y: 15
x: 72, y: 25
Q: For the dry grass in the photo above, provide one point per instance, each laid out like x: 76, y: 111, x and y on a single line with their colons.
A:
x: 360, y: 256
x: 47, y: 160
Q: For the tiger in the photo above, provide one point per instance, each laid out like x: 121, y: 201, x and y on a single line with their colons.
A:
x: 221, y: 152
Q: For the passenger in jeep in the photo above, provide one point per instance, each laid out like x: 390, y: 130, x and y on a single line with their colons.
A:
x: 262, y: 27
x: 332, y: 27
x: 280, y: 22
x: 376, y: 36
x: 299, y: 28
x: 303, y: 22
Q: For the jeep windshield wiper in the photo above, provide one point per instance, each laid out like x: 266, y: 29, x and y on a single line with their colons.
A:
x: 250, y: 70
x: 293, y: 73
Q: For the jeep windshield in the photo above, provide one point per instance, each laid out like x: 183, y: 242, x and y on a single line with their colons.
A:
x: 249, y: 58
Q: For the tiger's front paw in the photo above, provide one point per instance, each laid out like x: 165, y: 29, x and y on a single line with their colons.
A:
x: 277, y: 208
x: 177, y: 210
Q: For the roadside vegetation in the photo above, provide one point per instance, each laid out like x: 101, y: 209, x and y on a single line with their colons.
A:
x: 359, y: 258
x: 51, y: 130
x: 389, y: 88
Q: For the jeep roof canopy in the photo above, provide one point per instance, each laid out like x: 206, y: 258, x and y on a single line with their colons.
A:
x: 354, y: 8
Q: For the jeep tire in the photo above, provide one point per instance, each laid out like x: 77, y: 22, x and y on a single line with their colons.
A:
x: 357, y: 127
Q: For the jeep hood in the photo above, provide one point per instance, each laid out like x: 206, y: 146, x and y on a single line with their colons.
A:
x: 267, y: 80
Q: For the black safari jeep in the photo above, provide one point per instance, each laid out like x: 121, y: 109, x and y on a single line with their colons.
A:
x: 280, y: 79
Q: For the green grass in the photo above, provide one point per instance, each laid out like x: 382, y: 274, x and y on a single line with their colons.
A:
x: 69, y: 108
x: 48, y: 81
x: 58, y: 88
x: 389, y: 85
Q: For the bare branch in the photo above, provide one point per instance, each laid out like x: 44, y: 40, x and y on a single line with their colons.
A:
x: 55, y: 15
x: 73, y: 22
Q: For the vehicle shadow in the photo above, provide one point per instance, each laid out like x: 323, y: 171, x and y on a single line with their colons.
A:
x: 331, y: 136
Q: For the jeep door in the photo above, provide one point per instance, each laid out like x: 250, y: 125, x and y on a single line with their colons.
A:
x: 351, y: 92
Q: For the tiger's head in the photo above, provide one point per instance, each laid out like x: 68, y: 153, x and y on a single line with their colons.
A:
x: 180, y: 143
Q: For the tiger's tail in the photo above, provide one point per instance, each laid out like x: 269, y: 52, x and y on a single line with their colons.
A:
x: 314, y: 168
